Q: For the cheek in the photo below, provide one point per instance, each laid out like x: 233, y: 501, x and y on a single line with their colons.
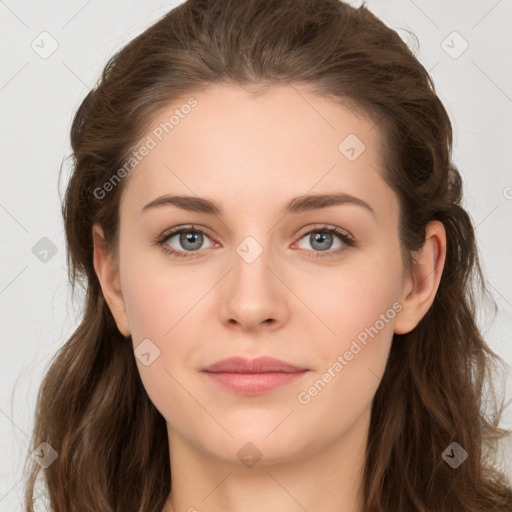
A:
x: 354, y: 298
x: 157, y: 296
x: 342, y: 389
x: 149, y: 307
x: 164, y: 305
x: 157, y: 310
x: 357, y: 306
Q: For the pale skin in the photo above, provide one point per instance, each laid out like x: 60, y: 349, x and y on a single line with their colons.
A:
x: 251, y: 155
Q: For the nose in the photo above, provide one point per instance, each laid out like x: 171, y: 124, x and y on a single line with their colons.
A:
x: 253, y: 294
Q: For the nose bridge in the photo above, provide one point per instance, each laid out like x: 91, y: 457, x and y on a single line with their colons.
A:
x: 251, y: 276
x: 251, y: 293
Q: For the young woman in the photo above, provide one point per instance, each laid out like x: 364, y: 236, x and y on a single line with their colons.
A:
x: 281, y: 282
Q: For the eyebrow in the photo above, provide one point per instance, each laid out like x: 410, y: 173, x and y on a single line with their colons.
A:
x: 295, y: 205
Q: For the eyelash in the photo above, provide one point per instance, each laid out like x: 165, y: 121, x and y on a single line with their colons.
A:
x: 345, y: 238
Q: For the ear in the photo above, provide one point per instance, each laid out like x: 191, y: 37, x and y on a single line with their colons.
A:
x: 108, y: 275
x: 420, y: 288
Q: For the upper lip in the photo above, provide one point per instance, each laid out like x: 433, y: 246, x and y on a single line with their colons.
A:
x: 239, y: 364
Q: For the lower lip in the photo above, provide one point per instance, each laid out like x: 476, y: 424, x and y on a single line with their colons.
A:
x: 254, y: 383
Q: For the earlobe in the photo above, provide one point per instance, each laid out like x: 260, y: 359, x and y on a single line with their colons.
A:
x: 108, y: 276
x: 420, y: 288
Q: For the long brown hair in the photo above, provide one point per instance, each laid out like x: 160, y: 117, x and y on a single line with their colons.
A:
x: 110, y: 440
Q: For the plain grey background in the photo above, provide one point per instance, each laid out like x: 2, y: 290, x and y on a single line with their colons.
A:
x: 52, y: 55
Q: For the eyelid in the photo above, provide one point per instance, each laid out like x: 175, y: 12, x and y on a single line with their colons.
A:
x: 322, y: 227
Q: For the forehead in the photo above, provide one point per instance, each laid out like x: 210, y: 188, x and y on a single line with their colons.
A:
x: 253, y: 147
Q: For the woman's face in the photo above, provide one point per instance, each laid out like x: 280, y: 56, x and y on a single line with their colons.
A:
x: 254, y: 281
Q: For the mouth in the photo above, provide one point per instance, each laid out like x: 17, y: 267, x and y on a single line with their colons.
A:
x: 253, y: 376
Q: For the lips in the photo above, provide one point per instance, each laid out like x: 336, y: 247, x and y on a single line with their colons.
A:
x: 253, y: 376
x: 252, y: 366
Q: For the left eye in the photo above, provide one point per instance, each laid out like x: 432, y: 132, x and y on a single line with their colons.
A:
x: 321, y: 239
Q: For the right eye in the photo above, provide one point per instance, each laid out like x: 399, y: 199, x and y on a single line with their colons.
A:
x: 189, y: 240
